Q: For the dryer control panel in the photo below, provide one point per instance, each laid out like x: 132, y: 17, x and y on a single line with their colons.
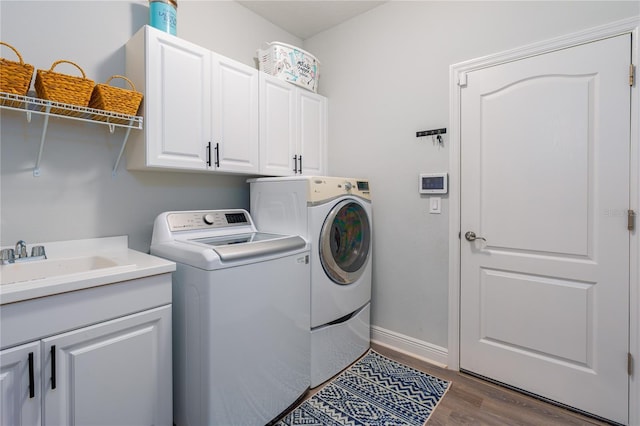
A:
x: 326, y: 188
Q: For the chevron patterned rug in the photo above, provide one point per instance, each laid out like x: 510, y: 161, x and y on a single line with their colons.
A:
x: 373, y: 391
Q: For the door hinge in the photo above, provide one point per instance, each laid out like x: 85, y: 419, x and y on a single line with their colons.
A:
x: 632, y: 74
x: 631, y: 220
x: 630, y: 364
x: 462, y: 79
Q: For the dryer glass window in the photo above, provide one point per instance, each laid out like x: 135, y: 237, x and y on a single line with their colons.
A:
x: 345, y: 241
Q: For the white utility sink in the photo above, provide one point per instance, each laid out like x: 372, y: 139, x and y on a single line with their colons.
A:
x: 41, y: 269
x: 77, y: 265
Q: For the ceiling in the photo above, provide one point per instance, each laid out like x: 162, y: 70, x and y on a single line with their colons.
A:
x: 304, y: 18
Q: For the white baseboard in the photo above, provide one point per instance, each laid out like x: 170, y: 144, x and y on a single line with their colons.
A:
x: 415, y: 348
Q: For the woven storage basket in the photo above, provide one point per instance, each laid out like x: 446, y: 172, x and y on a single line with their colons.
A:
x: 110, y: 98
x: 15, y: 77
x: 63, y: 88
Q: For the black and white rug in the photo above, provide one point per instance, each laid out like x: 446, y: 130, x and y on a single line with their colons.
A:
x: 373, y: 391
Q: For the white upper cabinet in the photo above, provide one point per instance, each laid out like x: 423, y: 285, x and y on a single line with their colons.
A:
x: 235, y: 116
x: 293, y: 126
x: 312, y: 129
x: 175, y: 78
x: 200, y: 109
x: 278, y: 139
x: 205, y: 112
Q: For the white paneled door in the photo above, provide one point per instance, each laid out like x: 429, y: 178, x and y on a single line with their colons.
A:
x: 545, y: 190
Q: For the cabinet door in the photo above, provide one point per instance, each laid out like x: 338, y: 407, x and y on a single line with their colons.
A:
x: 114, y: 373
x: 277, y: 126
x: 312, y: 130
x: 177, y: 102
x: 235, y: 115
x: 20, y: 392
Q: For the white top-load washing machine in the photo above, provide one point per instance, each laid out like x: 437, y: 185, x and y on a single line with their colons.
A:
x: 241, y: 344
x: 334, y: 215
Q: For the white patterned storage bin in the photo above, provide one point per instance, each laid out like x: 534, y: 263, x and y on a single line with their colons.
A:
x: 291, y: 64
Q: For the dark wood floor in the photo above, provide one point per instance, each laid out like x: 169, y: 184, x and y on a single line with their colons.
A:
x: 471, y: 401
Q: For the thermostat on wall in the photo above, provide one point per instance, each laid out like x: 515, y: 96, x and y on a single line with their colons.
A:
x: 433, y: 183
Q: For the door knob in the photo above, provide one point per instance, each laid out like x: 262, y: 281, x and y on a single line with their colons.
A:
x: 471, y: 236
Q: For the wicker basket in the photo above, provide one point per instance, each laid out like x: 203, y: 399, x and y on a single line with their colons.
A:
x: 67, y: 89
x: 110, y: 98
x: 15, y: 77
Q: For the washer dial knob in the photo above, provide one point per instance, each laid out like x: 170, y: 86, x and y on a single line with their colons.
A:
x: 208, y: 219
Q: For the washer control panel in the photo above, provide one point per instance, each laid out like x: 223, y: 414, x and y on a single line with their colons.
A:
x: 191, y: 221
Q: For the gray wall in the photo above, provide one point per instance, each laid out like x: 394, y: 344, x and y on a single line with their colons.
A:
x: 75, y: 197
x: 386, y: 74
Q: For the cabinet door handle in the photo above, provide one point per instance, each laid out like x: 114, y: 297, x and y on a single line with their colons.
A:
x: 217, y: 154
x: 209, y: 154
x: 32, y: 387
x: 295, y: 164
x: 53, y: 367
x: 300, y: 157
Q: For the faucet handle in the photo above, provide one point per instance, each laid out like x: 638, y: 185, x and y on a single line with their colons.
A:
x: 21, y: 249
x: 7, y: 256
x: 37, y: 251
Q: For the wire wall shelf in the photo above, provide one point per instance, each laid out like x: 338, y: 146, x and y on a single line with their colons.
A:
x: 30, y: 105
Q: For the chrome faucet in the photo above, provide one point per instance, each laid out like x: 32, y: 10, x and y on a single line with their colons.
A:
x: 9, y: 255
x: 21, y: 249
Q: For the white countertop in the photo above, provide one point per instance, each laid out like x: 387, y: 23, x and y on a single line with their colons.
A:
x: 129, y: 265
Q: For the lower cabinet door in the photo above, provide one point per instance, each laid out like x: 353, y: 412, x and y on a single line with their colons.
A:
x: 20, y: 393
x: 113, y: 373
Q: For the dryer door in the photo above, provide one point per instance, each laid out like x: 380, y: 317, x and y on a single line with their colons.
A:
x: 345, y: 242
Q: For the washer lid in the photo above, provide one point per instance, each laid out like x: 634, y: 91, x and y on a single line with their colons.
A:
x: 249, y: 245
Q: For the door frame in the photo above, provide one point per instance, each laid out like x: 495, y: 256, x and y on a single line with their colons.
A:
x: 457, y: 77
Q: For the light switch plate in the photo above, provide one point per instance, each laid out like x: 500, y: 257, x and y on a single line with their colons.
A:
x: 435, y: 204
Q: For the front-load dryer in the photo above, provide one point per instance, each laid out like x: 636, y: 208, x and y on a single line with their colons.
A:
x: 334, y: 215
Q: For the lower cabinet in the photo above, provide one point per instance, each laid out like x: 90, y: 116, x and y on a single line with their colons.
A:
x: 116, y: 372
x: 20, y: 389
